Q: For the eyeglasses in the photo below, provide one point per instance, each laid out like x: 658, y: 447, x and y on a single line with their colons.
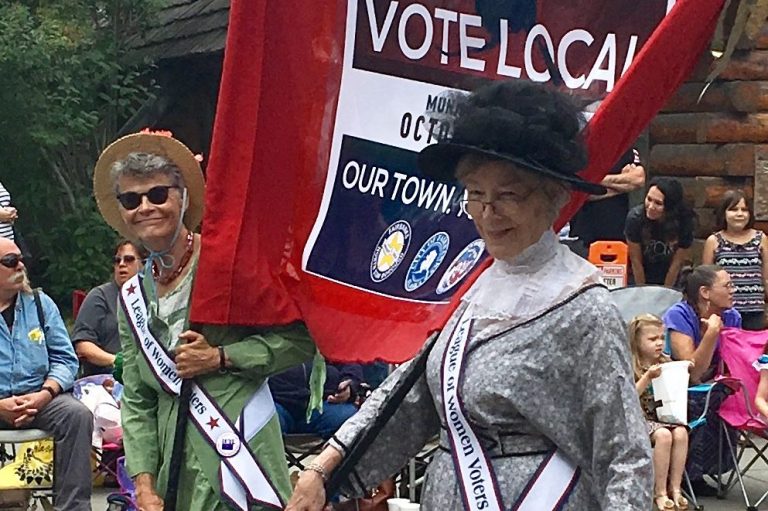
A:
x: 11, y: 260
x: 156, y: 195
x: 128, y: 259
x: 503, y: 203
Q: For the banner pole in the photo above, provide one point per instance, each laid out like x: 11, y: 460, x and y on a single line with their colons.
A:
x: 359, y: 448
x: 177, y: 452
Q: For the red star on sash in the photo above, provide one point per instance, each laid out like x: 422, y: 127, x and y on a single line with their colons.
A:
x: 131, y: 289
x: 213, y: 423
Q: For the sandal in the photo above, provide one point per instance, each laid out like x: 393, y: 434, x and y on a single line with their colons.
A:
x: 680, y: 502
x: 664, y: 503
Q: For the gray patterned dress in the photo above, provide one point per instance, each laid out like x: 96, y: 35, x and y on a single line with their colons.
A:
x: 560, y: 379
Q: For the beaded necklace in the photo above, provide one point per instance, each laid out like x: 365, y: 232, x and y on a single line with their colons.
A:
x: 184, y: 260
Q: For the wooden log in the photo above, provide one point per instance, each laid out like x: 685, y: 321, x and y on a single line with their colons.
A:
x: 703, y: 160
x: 744, y: 65
x: 761, y: 41
x: 705, y: 222
x: 740, y: 96
x: 699, y: 128
x: 751, y: 65
x: 707, y: 192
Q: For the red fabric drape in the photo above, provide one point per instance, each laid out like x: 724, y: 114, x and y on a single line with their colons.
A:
x: 273, y: 132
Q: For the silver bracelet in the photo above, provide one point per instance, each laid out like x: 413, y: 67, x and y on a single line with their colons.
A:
x: 318, y: 468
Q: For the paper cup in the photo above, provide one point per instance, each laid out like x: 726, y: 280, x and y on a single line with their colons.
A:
x: 671, y: 388
x: 396, y: 504
x: 410, y: 506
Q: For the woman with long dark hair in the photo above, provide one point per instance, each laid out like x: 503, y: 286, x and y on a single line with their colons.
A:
x: 659, y: 233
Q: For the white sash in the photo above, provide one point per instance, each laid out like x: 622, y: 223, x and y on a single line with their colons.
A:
x: 550, y: 485
x: 243, y: 482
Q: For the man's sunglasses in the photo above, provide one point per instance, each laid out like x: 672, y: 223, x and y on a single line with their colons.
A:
x: 128, y: 259
x: 11, y: 260
x: 156, y: 195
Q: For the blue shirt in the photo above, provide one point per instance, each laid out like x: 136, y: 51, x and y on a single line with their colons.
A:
x: 682, y: 318
x: 27, y: 357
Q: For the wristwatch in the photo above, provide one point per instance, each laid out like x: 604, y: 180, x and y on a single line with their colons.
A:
x: 50, y: 390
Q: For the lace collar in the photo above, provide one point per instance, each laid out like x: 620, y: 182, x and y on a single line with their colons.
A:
x: 541, y: 276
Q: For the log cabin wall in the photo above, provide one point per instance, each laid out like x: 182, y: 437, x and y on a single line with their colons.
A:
x: 720, y: 142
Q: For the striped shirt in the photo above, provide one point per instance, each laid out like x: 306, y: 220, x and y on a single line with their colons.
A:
x: 6, y: 228
x: 744, y: 263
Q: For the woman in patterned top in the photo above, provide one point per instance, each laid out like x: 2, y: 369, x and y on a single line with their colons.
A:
x: 741, y: 251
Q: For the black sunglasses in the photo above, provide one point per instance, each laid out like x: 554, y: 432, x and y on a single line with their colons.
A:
x: 11, y: 260
x: 156, y: 195
x: 128, y: 259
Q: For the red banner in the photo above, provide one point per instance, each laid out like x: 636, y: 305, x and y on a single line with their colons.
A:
x: 315, y: 209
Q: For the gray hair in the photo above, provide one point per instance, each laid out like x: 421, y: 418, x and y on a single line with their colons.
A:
x: 145, y: 165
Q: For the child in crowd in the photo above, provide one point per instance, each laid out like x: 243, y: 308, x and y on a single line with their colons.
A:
x: 741, y: 251
x: 670, y: 441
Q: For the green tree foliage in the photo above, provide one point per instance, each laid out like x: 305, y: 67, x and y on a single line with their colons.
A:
x: 66, y: 86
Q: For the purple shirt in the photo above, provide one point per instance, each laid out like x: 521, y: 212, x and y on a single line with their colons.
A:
x: 682, y: 318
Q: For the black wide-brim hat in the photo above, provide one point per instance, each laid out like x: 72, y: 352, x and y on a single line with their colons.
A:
x: 532, y: 126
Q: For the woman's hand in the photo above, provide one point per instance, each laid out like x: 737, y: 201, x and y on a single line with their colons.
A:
x: 8, y: 214
x: 309, y: 494
x: 713, y: 323
x: 194, y: 356
x: 149, y: 502
x: 147, y: 498
x: 343, y: 393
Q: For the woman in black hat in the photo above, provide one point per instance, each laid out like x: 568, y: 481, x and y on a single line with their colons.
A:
x: 528, y: 385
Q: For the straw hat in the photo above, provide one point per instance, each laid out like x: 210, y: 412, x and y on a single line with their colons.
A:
x: 160, y: 143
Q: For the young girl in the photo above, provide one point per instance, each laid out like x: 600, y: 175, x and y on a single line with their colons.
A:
x: 742, y: 252
x: 670, y: 441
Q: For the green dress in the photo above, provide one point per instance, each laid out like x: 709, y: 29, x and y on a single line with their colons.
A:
x: 149, y: 413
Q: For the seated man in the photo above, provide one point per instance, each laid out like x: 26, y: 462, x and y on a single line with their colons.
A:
x: 37, y: 367
x: 95, y: 335
x: 290, y: 390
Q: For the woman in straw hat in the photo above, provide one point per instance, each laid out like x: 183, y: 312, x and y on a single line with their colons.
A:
x: 529, y: 385
x: 149, y: 187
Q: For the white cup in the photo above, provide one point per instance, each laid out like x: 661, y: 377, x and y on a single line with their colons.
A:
x: 411, y: 506
x: 396, y: 504
x: 671, y: 388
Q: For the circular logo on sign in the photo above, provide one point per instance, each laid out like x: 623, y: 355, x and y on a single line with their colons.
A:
x: 461, y: 265
x: 390, y: 250
x: 228, y: 444
x: 427, y: 261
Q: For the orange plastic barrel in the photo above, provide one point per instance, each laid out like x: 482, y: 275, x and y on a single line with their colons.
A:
x: 612, y: 258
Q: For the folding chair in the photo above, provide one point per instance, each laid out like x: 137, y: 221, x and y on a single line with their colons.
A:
x: 299, y: 447
x: 107, y: 453
x: 739, y: 349
x: 42, y: 492
x: 655, y: 300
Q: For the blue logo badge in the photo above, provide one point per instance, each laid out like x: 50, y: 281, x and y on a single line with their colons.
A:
x: 427, y: 261
x: 390, y: 250
x: 461, y: 266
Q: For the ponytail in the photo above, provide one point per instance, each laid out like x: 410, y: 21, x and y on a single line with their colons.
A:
x: 692, y: 279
